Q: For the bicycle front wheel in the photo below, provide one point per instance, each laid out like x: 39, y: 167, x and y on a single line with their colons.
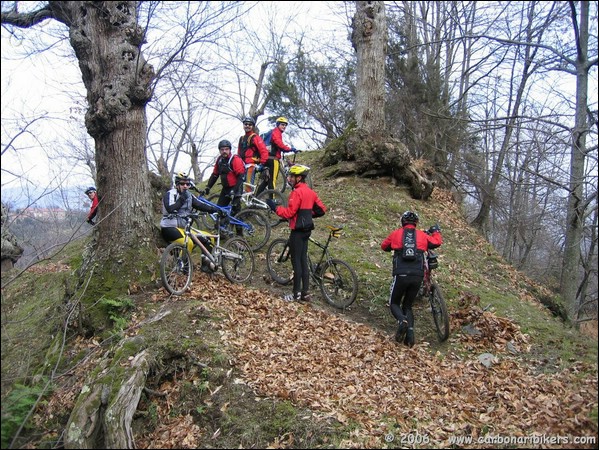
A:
x: 258, y: 233
x: 176, y: 268
x: 237, y: 260
x: 278, y: 261
x: 439, y: 310
x: 338, y: 283
x: 279, y: 198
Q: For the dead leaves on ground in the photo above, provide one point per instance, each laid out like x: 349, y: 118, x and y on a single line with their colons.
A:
x: 354, y: 373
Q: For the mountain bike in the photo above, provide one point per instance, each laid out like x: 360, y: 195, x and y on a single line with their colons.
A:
x: 255, y: 202
x: 337, y: 280
x: 250, y: 224
x: 285, y: 166
x: 234, y: 257
x: 431, y: 290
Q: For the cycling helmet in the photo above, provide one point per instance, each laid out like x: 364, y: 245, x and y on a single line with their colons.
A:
x: 249, y: 119
x: 299, y: 169
x: 282, y: 120
x: 181, y: 176
x: 409, y: 217
x: 224, y: 143
x: 90, y: 189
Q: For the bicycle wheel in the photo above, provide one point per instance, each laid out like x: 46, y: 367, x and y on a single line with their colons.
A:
x: 279, y: 198
x: 281, y: 183
x: 176, y: 268
x: 207, y: 218
x: 237, y: 260
x: 259, y: 232
x: 278, y: 261
x: 338, y: 283
x: 439, y: 310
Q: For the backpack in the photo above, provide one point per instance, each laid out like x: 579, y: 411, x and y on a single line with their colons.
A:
x: 409, y: 245
x: 266, y: 138
x: 244, y: 144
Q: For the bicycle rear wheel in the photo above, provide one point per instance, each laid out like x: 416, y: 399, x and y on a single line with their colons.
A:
x: 237, y: 261
x: 279, y: 198
x: 259, y: 232
x: 176, y: 268
x: 278, y: 261
x: 439, y: 310
x: 338, y: 283
x: 207, y: 218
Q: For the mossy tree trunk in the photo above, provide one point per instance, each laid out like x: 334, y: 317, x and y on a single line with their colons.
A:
x: 107, y: 42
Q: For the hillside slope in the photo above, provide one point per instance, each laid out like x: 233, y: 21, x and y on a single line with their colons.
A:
x: 237, y: 367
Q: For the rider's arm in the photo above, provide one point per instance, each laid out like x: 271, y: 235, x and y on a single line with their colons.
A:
x: 171, y: 204
x: 197, y: 204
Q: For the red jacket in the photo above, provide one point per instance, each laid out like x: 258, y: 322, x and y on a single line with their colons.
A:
x: 93, y: 210
x: 423, y: 241
x: 231, y: 172
x: 301, y: 205
x: 256, y: 152
x: 277, y: 144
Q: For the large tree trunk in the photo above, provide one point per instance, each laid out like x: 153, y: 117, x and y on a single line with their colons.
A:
x: 576, y: 205
x: 369, y: 38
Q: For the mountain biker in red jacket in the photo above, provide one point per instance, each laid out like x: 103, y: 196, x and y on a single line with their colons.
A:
x: 231, y: 170
x: 277, y: 146
x: 409, y: 245
x: 251, y: 150
x: 303, y: 205
x: 93, y: 209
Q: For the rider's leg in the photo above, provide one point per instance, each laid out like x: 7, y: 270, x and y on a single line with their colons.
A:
x: 396, y: 295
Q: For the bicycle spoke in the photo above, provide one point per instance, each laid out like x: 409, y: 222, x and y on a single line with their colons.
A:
x: 338, y: 283
x: 237, y: 260
x: 176, y: 269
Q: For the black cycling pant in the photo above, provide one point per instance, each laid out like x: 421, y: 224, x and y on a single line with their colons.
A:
x: 171, y: 234
x: 298, y: 250
x: 274, y: 166
x: 404, y: 289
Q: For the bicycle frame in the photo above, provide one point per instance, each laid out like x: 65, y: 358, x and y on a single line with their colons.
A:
x: 227, y: 211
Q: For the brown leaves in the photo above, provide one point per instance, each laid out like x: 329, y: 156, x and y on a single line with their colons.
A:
x: 357, y: 374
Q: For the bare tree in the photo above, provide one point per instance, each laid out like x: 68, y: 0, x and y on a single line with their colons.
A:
x: 369, y: 38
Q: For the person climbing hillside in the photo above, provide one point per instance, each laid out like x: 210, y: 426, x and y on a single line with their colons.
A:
x: 304, y: 204
x: 409, y: 245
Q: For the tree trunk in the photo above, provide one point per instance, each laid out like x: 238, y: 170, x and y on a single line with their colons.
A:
x: 369, y: 38
x: 576, y: 205
x: 104, y: 410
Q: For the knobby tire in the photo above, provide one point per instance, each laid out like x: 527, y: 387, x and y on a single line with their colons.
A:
x: 237, y: 260
x: 439, y: 310
x: 338, y: 283
x: 176, y: 268
x: 278, y: 261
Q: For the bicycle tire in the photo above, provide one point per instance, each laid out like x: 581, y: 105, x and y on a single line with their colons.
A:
x: 439, y: 310
x: 175, y: 278
x: 279, y: 198
x: 278, y: 261
x: 237, y: 270
x: 338, y: 283
x: 207, y: 219
x: 281, y: 183
x: 258, y: 234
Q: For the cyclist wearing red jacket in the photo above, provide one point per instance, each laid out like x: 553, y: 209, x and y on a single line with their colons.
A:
x: 303, y: 205
x: 251, y: 150
x: 409, y: 245
x: 93, y: 209
x: 277, y: 146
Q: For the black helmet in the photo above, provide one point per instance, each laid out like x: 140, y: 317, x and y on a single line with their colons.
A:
x: 409, y: 217
x: 224, y: 143
x: 90, y: 189
x: 249, y: 120
x: 181, y: 176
